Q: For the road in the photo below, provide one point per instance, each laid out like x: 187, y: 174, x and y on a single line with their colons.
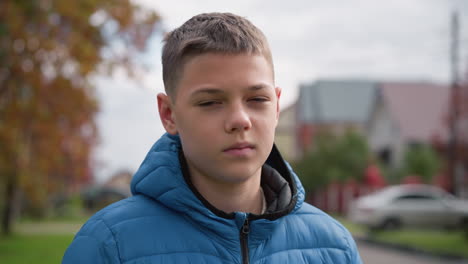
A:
x: 371, y: 254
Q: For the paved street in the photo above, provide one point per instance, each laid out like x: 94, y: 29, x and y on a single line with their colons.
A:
x: 371, y: 254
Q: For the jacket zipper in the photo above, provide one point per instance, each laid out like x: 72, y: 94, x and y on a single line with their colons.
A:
x: 244, y: 236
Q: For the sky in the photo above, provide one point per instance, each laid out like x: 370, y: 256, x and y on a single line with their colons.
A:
x: 310, y: 40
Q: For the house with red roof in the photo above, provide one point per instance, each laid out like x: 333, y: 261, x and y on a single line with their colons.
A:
x: 392, y: 115
x: 405, y: 114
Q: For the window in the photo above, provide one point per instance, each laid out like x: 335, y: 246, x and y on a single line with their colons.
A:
x: 415, y: 197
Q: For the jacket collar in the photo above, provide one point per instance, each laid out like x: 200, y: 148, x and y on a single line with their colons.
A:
x: 279, y: 192
x: 161, y: 177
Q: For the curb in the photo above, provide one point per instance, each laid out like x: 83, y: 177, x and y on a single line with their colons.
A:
x: 412, y: 250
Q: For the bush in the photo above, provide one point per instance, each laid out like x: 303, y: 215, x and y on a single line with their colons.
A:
x: 333, y: 158
x: 421, y: 160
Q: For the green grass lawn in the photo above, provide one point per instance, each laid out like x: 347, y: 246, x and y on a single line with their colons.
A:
x: 440, y: 242
x: 37, y: 248
x: 34, y: 241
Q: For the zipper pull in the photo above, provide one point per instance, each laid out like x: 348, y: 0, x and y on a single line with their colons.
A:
x: 244, y: 240
x: 246, y: 227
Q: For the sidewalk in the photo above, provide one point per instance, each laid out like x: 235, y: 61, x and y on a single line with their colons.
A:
x: 366, y: 239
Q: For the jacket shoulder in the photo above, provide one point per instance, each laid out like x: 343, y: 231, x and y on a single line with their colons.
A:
x: 100, y: 238
x: 129, y: 209
x: 325, y: 232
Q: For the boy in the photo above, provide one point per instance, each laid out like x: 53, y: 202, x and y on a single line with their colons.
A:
x: 214, y: 188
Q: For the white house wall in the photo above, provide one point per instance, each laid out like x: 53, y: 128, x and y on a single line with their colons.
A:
x: 383, y: 133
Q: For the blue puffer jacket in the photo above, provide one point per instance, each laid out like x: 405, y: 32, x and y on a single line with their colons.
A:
x: 168, y: 221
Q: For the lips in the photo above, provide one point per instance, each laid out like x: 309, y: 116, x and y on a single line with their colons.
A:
x: 239, y: 149
x: 240, y: 146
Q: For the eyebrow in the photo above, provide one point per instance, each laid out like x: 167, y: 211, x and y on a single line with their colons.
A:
x: 219, y: 91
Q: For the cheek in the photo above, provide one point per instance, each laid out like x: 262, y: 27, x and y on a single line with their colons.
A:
x: 266, y: 121
x: 196, y: 131
x: 265, y: 131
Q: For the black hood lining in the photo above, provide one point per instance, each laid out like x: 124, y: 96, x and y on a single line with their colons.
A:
x: 277, y: 163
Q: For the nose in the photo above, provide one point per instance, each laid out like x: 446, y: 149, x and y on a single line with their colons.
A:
x: 238, y: 119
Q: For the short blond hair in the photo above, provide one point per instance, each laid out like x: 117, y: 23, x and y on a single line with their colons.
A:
x: 223, y: 33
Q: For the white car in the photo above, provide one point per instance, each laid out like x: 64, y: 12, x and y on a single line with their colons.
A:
x: 415, y: 205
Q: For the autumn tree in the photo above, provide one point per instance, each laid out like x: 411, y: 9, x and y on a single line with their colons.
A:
x: 49, y: 49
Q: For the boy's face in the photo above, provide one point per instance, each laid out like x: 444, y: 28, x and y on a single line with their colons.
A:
x: 225, y: 111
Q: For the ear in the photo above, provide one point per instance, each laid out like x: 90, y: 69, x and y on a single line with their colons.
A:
x: 166, y: 113
x: 278, y: 96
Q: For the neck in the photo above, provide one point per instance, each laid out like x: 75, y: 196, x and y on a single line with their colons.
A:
x: 245, y: 196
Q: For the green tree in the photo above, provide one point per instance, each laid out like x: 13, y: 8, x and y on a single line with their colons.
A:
x: 49, y: 49
x: 333, y: 158
x: 421, y: 160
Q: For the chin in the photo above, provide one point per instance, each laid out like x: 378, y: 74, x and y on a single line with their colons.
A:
x: 240, y: 176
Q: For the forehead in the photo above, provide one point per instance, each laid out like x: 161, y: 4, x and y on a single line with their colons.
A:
x: 225, y: 72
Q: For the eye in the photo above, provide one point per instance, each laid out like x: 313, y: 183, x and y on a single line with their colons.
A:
x: 208, y: 103
x: 259, y: 99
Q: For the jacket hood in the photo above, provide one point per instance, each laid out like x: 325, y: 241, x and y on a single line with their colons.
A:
x: 161, y: 177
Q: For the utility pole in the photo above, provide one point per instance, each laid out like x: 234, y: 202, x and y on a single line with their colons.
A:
x: 454, y: 104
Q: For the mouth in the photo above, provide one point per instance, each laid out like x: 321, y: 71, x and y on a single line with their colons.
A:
x: 239, y: 149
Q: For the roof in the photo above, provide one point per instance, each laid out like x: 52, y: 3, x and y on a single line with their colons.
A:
x: 328, y: 101
x: 419, y: 109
